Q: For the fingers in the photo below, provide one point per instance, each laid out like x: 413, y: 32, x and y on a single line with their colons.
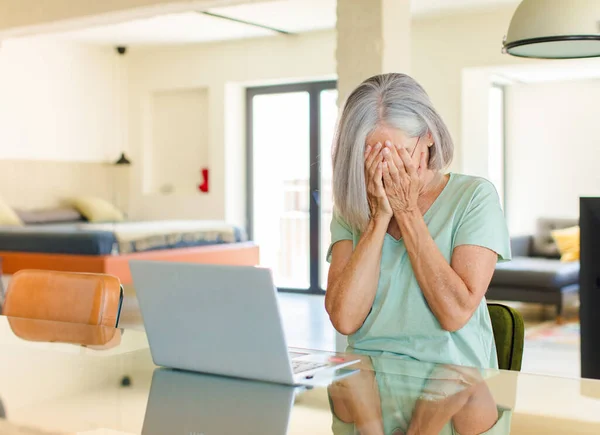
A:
x: 378, y: 161
x: 371, y: 157
x: 368, y: 156
x: 368, y: 150
x: 375, y: 179
x: 408, y: 165
x: 393, y: 149
x: 466, y: 374
x: 387, y: 177
x: 392, y: 166
x: 378, y: 175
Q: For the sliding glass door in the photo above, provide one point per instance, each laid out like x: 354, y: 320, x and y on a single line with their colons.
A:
x: 290, y: 130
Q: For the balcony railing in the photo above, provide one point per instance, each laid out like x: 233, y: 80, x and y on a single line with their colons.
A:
x: 291, y: 247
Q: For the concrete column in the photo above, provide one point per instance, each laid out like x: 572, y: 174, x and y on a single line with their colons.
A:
x: 373, y: 37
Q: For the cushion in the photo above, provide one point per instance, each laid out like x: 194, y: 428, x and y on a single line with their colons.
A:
x: 567, y: 241
x: 97, y: 209
x: 48, y: 216
x: 509, y: 335
x: 8, y: 216
x: 84, y: 298
x: 543, y: 243
x: 539, y: 273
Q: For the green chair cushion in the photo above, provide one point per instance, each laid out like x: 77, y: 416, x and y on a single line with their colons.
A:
x: 509, y: 334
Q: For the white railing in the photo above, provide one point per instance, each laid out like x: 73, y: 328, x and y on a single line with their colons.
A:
x: 292, y: 269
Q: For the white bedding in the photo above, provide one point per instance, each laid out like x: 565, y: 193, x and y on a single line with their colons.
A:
x: 145, y: 235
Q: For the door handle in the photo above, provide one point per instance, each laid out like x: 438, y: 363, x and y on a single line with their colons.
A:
x: 316, y: 197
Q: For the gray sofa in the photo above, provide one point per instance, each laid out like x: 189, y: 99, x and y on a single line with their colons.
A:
x: 536, y: 273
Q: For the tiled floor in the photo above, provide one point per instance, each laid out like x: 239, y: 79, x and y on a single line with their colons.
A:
x: 307, y: 326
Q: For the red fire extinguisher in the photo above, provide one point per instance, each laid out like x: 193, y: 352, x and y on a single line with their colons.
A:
x: 203, y: 187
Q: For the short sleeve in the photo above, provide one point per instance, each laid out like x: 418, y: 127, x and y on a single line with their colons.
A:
x: 483, y: 223
x: 502, y: 425
x: 339, y: 230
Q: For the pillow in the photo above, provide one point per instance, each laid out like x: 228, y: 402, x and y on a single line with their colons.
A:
x: 48, y: 216
x: 567, y: 241
x: 543, y: 242
x: 97, y: 209
x: 8, y: 215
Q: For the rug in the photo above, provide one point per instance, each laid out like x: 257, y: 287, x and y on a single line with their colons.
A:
x: 552, y: 333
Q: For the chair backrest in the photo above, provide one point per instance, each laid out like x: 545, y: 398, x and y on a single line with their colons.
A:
x: 86, y: 298
x: 509, y: 334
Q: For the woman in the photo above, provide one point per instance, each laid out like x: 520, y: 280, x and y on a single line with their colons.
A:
x: 412, y: 250
x: 406, y: 397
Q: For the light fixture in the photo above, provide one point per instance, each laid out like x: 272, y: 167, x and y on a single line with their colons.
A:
x: 555, y: 29
x: 123, y: 160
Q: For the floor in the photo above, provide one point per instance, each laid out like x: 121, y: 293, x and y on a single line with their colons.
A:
x: 548, y: 357
x: 307, y: 326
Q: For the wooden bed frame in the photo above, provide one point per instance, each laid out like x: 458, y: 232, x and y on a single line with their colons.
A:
x: 242, y: 254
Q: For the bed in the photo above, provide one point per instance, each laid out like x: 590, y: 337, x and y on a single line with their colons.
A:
x: 108, y: 247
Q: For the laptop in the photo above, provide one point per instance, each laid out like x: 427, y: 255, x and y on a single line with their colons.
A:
x: 192, y: 403
x: 221, y: 320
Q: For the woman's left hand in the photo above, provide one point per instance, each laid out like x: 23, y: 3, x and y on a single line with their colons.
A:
x: 402, y: 179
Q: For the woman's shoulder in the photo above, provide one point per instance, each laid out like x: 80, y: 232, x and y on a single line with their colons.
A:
x: 473, y: 186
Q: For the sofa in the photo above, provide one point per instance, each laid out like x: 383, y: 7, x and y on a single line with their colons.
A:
x: 536, y: 273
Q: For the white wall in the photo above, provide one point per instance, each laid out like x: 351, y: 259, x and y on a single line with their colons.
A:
x: 224, y: 69
x: 60, y: 102
x: 179, y: 147
x: 552, y: 150
x: 442, y: 47
x: 76, y: 113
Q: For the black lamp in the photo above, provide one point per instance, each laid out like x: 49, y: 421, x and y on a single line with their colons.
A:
x: 123, y: 160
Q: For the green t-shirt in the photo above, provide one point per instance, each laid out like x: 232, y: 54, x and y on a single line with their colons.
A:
x: 401, y: 383
x: 467, y: 212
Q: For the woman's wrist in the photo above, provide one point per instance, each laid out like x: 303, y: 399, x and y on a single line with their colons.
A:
x: 380, y: 222
x: 406, y: 218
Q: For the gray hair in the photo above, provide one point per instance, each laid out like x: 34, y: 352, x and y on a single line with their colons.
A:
x: 394, y: 100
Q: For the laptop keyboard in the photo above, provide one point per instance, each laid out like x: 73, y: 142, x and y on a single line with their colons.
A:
x: 304, y: 366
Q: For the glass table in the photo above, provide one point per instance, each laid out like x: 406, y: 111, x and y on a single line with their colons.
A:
x: 76, y: 379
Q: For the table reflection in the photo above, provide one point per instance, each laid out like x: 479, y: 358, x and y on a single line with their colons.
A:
x: 394, y: 396
x: 67, y: 378
x: 192, y: 403
x: 92, y: 336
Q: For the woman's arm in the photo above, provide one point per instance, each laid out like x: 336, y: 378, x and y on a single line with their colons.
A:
x: 479, y: 414
x: 453, y: 291
x: 353, y: 278
x: 472, y: 409
x: 355, y: 400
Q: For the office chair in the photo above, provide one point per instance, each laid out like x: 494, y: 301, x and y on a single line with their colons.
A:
x: 86, y: 298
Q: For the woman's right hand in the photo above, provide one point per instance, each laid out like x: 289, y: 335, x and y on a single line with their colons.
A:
x: 376, y: 196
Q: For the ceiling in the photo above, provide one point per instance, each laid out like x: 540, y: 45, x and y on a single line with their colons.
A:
x: 294, y: 16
